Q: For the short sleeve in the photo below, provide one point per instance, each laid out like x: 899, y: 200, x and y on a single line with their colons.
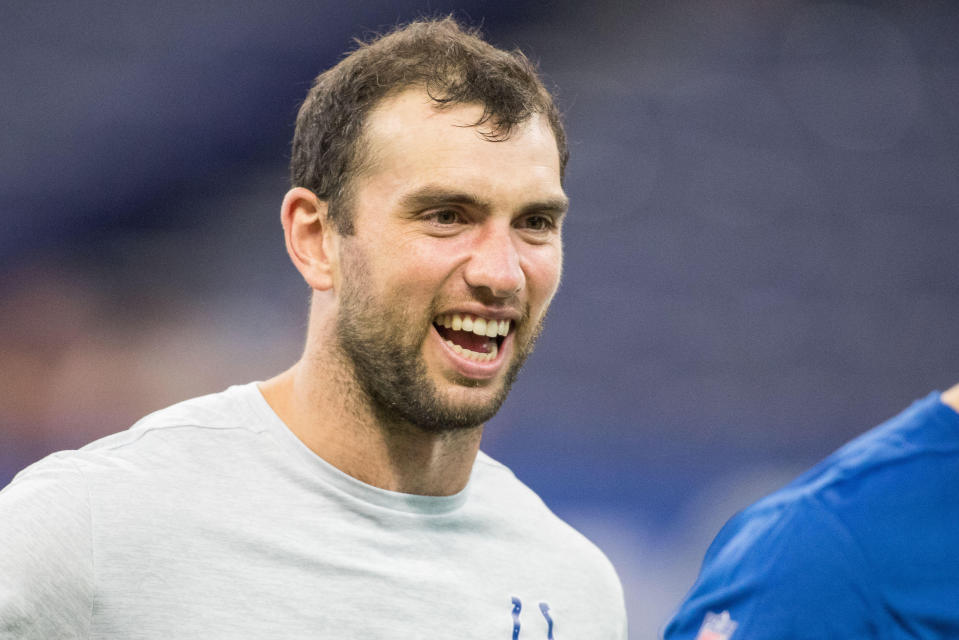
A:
x: 46, y: 564
x: 785, y: 573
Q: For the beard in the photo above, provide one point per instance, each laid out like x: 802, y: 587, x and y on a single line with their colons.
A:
x: 381, y: 341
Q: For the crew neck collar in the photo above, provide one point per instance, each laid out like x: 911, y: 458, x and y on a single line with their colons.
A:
x: 331, y: 475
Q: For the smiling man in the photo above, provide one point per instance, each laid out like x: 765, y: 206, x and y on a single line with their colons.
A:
x: 347, y: 497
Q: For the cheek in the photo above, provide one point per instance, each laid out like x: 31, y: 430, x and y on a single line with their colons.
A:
x: 415, y: 280
x: 426, y: 264
x: 544, y: 269
x: 397, y: 262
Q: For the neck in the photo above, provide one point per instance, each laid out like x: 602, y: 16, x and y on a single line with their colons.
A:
x: 333, y: 419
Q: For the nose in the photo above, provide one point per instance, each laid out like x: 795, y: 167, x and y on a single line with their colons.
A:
x: 494, y: 264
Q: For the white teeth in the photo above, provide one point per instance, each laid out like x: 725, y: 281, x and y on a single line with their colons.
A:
x: 479, y: 327
x: 474, y: 324
x: 473, y: 355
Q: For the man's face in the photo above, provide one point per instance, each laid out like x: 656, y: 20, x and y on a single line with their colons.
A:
x: 456, y: 255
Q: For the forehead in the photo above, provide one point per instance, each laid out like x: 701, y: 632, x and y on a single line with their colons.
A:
x: 406, y: 133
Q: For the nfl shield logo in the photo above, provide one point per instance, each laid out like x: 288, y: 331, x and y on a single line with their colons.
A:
x: 717, y: 626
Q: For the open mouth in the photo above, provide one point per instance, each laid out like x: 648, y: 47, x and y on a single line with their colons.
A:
x: 473, y: 337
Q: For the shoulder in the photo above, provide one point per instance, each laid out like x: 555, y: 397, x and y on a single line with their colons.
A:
x: 174, y: 450
x: 522, y: 515
x: 775, y: 564
x: 907, y: 450
x: 58, y: 515
x: 163, y: 443
x: 888, y: 467
x: 237, y: 408
x: 184, y: 430
x: 825, y: 541
x: 496, y: 487
x: 46, y: 558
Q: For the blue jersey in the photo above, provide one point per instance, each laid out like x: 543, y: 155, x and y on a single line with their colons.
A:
x: 864, y: 545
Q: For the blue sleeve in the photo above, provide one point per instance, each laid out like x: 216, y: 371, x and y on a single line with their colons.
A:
x: 782, y: 572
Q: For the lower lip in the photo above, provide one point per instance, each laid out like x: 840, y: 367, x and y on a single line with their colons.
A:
x: 473, y: 368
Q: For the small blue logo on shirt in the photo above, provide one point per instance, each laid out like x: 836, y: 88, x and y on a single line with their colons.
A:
x: 543, y: 608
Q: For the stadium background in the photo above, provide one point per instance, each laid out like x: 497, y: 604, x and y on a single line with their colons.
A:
x: 761, y: 255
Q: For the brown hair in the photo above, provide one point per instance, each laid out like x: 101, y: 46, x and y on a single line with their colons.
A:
x: 452, y: 64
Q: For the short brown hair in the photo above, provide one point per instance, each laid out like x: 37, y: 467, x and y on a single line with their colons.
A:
x: 453, y: 64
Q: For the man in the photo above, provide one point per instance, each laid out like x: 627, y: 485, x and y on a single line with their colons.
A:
x: 864, y: 545
x: 347, y: 497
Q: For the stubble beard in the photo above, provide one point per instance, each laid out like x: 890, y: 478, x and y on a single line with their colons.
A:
x: 381, y: 346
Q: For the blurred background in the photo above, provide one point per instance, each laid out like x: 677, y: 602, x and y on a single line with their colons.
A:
x: 762, y: 254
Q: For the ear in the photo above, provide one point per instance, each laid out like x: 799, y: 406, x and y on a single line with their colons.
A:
x: 310, y: 239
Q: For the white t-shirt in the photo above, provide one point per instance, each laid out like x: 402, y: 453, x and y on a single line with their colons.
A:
x: 210, y: 519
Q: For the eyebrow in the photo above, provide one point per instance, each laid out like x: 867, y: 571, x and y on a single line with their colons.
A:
x: 434, y: 195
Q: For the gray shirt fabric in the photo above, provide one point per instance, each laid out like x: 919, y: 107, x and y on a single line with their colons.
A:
x: 210, y: 519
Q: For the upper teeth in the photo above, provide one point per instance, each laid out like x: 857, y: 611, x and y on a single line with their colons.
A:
x: 475, y: 324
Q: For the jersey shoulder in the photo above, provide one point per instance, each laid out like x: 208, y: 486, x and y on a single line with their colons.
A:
x: 814, y: 546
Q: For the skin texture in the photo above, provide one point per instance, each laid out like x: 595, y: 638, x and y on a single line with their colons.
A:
x: 951, y: 397
x: 445, y: 221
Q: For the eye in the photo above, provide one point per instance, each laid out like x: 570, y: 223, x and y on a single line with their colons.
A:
x: 538, y: 222
x: 444, y: 217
